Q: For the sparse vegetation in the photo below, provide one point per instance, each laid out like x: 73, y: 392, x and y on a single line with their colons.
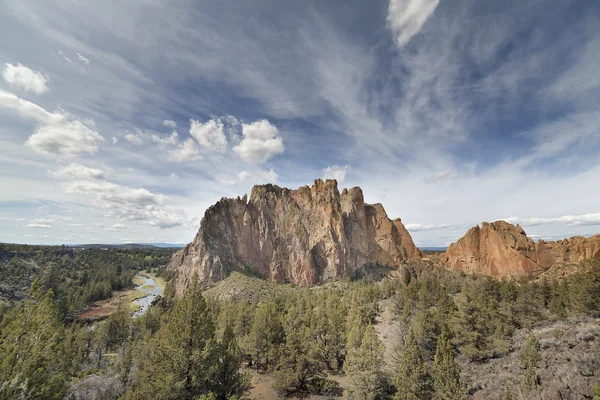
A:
x: 454, y: 335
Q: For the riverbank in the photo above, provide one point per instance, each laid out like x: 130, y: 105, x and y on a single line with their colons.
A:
x: 102, y: 309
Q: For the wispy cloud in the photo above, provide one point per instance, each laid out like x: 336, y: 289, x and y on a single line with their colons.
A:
x: 407, y: 17
x: 569, y: 220
x: 438, y: 176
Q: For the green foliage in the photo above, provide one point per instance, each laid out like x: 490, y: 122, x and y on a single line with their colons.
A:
x: 115, y: 329
x: 412, y: 380
x: 446, y: 372
x: 77, y: 277
x: 483, y: 323
x: 584, y: 289
x: 36, y: 360
x: 596, y: 390
x: 363, y: 367
x: 195, y: 347
x: 184, y: 360
x: 266, y: 336
x: 530, y: 356
x: 226, y: 379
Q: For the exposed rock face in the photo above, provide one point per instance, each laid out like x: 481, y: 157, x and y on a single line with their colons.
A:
x: 501, y: 250
x: 305, y: 236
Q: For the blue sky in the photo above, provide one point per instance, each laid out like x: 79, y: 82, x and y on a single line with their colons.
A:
x: 124, y: 122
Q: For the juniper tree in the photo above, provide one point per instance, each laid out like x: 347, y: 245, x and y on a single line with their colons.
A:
x: 446, y: 371
x: 412, y: 381
x: 530, y: 356
x: 363, y: 367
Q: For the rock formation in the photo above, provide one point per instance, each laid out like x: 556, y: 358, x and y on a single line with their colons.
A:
x: 305, y: 236
x: 503, y: 250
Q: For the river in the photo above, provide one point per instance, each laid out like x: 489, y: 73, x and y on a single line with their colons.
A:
x: 150, y: 287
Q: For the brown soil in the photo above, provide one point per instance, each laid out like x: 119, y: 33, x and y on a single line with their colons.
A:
x: 102, y: 309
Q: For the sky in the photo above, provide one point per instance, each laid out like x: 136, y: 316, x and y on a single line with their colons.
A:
x: 123, y: 121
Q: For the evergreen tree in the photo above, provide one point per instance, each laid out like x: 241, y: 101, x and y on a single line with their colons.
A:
x: 446, y: 372
x: 530, y: 356
x: 266, y: 336
x: 412, y: 381
x: 176, y: 363
x: 363, y: 367
x: 34, y: 361
x: 226, y: 379
x: 117, y: 325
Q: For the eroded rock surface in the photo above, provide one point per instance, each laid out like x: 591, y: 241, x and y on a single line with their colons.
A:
x: 305, y: 236
x: 502, y: 250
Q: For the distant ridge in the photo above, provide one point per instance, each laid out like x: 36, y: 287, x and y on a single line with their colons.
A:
x: 433, y: 248
x: 127, y: 245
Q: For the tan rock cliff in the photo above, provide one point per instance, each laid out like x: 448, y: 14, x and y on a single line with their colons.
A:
x: 305, y: 236
x: 503, y: 250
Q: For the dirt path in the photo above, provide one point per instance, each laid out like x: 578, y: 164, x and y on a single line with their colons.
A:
x: 389, y: 330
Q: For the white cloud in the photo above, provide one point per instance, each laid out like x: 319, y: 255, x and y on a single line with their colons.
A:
x: 172, y: 139
x: 589, y: 219
x: 336, y: 172
x: 78, y: 171
x: 115, y: 140
x: 260, y: 142
x: 28, y: 109
x: 438, y: 176
x: 186, y: 151
x: 83, y: 59
x: 427, y: 227
x: 25, y: 78
x: 210, y: 134
x: 138, y: 137
x: 68, y: 139
x: 39, y: 226
x: 407, y: 17
x: 255, y: 177
x: 173, y: 175
x: 135, y: 138
x: 170, y: 123
x: 132, y: 204
x: 118, y: 227
x: 56, y: 135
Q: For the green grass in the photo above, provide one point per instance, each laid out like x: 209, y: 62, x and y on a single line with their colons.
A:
x: 239, y: 285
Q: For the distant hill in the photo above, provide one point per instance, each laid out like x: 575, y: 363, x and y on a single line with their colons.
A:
x: 127, y: 245
x: 432, y: 248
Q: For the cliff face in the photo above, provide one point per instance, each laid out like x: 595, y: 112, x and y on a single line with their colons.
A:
x: 502, y: 250
x: 305, y: 236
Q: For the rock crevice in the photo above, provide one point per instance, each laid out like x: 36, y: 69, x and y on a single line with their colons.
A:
x: 306, y: 236
x: 503, y: 250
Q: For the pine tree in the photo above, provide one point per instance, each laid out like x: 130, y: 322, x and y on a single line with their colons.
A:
x: 176, y: 362
x: 530, y: 357
x: 34, y: 361
x: 266, y: 336
x: 363, y: 367
x: 446, y: 372
x: 226, y: 379
x: 413, y: 382
x: 117, y: 325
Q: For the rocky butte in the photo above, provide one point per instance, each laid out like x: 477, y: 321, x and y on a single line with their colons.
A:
x: 306, y: 236
x: 503, y: 250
